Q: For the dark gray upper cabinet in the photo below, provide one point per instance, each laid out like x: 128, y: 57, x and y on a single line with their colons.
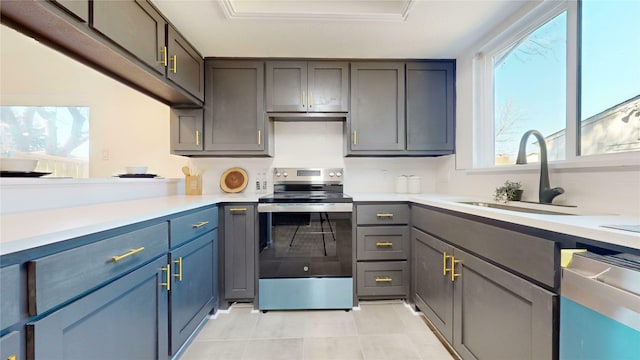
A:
x: 185, y: 67
x: 302, y: 86
x: 239, y: 251
x: 77, y: 8
x: 235, y: 122
x: 430, y: 106
x: 377, y: 108
x: 136, y: 26
x: 186, y: 129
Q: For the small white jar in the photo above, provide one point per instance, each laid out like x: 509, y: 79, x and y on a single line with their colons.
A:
x: 413, y: 184
x: 401, y: 184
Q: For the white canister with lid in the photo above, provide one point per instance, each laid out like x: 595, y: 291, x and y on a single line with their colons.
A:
x: 413, y: 184
x: 401, y: 184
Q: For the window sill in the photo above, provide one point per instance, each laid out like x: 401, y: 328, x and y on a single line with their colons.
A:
x: 602, y: 163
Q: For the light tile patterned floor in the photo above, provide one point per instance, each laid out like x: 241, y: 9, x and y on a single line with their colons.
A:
x: 379, y: 330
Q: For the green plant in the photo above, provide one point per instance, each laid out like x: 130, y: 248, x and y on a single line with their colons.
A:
x: 510, y: 191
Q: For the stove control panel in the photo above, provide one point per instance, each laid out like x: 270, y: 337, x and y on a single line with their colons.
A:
x: 308, y: 175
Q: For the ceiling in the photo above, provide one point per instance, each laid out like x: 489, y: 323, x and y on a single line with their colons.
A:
x: 334, y: 28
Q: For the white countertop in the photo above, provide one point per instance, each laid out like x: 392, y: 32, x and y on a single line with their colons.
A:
x: 21, y: 231
x: 587, y: 224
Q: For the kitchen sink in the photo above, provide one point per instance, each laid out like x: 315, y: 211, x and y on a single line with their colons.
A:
x: 513, y: 208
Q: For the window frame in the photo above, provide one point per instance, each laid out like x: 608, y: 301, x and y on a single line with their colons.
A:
x: 483, y: 157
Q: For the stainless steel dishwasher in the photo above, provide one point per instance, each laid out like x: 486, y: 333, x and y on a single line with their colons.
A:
x: 600, y: 307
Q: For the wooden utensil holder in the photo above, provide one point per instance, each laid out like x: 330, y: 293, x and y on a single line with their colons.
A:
x: 193, y: 185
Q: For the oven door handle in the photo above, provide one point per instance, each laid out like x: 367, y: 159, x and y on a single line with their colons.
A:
x: 304, y: 207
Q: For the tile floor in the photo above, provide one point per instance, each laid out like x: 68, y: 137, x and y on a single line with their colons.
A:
x: 379, y: 330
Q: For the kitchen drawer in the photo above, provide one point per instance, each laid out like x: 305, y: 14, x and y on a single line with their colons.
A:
x: 10, y: 295
x: 382, y: 242
x: 389, y: 278
x: 59, y: 277
x: 190, y: 226
x: 383, y: 214
x: 10, y: 346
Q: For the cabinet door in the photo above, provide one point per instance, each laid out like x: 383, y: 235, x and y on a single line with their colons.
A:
x: 192, y: 290
x: 498, y: 315
x: 186, y: 129
x: 377, y: 106
x: 430, y: 106
x: 287, y: 86
x: 185, y: 67
x: 77, y: 8
x: 125, y: 318
x: 239, y: 251
x: 134, y: 25
x: 234, y: 115
x: 11, y: 346
x: 328, y: 86
x: 433, y: 290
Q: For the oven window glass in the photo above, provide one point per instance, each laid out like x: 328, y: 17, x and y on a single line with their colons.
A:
x: 315, y: 244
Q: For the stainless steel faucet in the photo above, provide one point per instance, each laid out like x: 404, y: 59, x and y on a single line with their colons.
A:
x: 546, y: 194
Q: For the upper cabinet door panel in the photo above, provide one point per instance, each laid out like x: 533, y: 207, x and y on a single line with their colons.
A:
x: 77, y: 8
x: 377, y: 106
x: 287, y: 86
x: 185, y: 66
x: 134, y: 25
x: 186, y: 129
x: 328, y: 86
x: 430, y: 106
x: 234, y: 116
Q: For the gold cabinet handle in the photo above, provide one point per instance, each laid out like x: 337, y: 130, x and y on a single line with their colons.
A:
x: 179, y: 274
x: 168, y: 283
x: 384, y: 244
x: 127, y: 254
x: 453, y: 268
x: 259, y: 137
x: 235, y: 210
x: 174, y: 69
x: 12, y: 357
x: 303, y: 99
x: 163, y: 55
x: 384, y: 279
x: 310, y: 99
x: 384, y: 215
x: 444, y: 263
x: 197, y: 137
x: 355, y: 138
x: 199, y: 225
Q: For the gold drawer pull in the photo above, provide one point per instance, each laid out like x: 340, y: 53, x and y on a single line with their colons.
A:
x: 453, y: 268
x: 384, y: 279
x: 200, y: 224
x: 238, y: 209
x: 168, y: 283
x: 131, y: 252
x: 12, y: 357
x: 179, y: 274
x: 384, y: 215
x: 384, y: 244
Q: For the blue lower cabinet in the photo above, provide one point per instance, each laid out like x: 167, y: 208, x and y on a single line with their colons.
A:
x: 193, y: 286
x: 11, y: 346
x: 125, y: 319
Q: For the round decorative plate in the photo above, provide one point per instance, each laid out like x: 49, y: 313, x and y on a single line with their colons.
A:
x: 234, y: 180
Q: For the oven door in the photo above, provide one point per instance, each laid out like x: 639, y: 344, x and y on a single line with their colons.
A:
x: 302, y: 241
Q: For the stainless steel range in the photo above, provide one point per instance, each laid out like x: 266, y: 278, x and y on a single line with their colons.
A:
x: 305, y: 255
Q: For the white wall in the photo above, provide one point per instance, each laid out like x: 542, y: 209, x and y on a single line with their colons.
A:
x: 131, y: 127
x: 608, y: 189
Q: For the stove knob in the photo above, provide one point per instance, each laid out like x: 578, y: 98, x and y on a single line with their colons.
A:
x: 285, y: 174
x: 338, y: 174
x: 278, y: 174
x: 331, y: 174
